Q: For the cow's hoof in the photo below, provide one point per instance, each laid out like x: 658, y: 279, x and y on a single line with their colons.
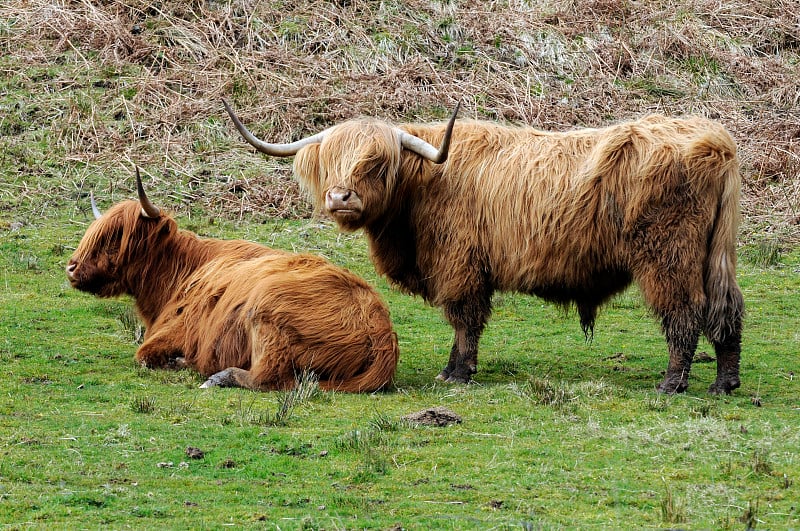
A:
x: 176, y: 364
x: 459, y: 375
x: 724, y: 386
x: 221, y: 379
x: 672, y: 387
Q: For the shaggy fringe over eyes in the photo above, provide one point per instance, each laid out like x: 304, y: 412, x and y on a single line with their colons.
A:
x: 120, y: 230
x: 354, y: 151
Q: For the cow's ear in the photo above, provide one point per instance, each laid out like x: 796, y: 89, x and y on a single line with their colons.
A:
x: 306, y: 162
x: 307, y: 169
x: 168, y: 227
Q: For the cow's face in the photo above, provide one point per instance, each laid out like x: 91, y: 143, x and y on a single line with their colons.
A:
x: 94, y: 266
x: 102, y: 264
x: 352, y: 172
x: 351, y: 169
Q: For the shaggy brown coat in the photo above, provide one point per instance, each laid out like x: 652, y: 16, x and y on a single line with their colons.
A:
x: 239, y: 313
x: 572, y: 217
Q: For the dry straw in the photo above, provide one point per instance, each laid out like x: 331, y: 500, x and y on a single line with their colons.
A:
x: 294, y: 68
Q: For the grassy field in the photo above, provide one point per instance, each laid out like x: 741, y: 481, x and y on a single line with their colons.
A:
x: 555, y: 432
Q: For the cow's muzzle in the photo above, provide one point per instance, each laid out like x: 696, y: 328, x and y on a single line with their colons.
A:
x: 343, y: 203
x: 71, y: 267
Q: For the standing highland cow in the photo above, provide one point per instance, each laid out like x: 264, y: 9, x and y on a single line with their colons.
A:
x: 572, y: 217
x: 240, y: 313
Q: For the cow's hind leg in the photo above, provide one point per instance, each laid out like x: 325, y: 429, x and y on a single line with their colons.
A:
x: 468, y: 318
x: 670, y: 274
x: 728, y: 354
x: 727, y: 343
x: 271, y: 361
x: 230, y: 377
x: 677, y: 296
x: 236, y: 377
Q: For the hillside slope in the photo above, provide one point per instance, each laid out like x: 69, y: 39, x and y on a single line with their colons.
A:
x: 89, y: 89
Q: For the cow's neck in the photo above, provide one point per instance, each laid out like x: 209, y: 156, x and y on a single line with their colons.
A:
x: 171, y: 265
x: 393, y: 249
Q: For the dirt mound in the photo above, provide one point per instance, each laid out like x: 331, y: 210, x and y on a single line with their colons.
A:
x: 439, y: 416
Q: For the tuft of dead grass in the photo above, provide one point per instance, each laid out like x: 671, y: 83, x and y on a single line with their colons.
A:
x: 107, y: 84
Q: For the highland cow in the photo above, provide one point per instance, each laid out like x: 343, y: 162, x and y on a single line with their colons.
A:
x: 241, y: 314
x: 573, y: 217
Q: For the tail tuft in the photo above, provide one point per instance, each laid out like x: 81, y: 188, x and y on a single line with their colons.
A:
x: 715, y: 155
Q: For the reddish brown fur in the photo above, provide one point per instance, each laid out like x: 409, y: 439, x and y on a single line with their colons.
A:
x: 240, y: 313
x: 572, y: 217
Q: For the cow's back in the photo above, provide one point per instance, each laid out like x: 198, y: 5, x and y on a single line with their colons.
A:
x: 542, y: 212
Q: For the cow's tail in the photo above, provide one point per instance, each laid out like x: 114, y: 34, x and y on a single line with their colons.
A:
x: 713, y: 158
x: 380, y: 371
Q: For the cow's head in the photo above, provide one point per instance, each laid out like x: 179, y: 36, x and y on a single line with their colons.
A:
x: 117, y: 246
x: 351, y: 169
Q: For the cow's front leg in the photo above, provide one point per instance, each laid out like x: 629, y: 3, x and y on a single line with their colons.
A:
x: 468, y: 319
x: 160, y: 351
x: 463, y: 361
x: 682, y: 332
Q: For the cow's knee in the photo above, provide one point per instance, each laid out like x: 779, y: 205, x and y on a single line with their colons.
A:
x: 153, y: 358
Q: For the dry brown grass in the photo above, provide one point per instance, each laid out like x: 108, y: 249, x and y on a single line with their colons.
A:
x: 116, y: 83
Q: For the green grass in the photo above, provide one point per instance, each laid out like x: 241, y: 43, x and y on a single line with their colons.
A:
x: 556, y: 433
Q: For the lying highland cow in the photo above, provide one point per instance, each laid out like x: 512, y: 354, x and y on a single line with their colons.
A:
x: 239, y: 313
x: 572, y: 217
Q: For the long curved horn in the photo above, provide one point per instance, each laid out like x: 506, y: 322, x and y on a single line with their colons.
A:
x: 95, y: 210
x: 424, y: 149
x: 276, y: 150
x: 149, y: 210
